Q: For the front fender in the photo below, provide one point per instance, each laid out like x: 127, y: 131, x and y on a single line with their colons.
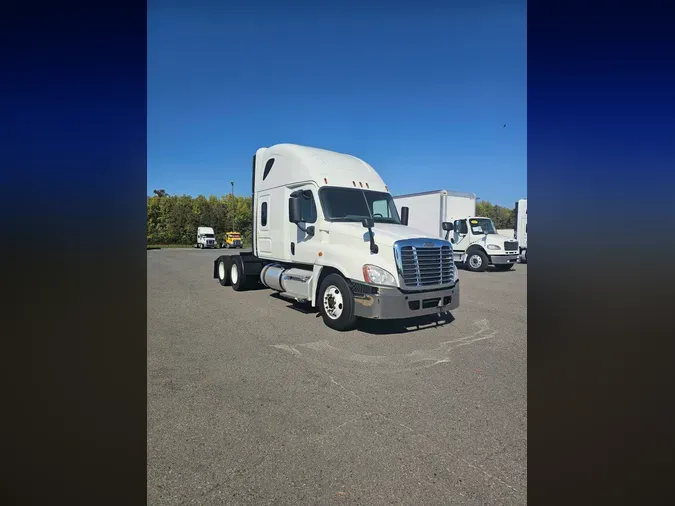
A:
x: 475, y: 247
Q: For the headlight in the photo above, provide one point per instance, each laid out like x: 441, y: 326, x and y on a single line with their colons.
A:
x: 377, y: 276
x: 493, y: 246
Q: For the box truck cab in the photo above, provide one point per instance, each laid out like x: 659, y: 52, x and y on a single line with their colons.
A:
x: 206, y: 238
x: 476, y: 243
x: 520, y: 232
x: 326, y: 231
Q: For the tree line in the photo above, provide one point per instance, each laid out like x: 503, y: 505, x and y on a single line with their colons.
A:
x: 174, y: 219
x: 502, y: 217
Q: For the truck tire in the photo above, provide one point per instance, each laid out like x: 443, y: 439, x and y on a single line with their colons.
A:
x: 476, y: 261
x: 224, y: 273
x: 523, y: 256
x: 240, y: 281
x: 336, y: 303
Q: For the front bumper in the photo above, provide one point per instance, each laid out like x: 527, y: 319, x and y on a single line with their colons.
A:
x: 391, y: 303
x: 504, y: 259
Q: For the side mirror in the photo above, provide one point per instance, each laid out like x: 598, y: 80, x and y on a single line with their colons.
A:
x: 369, y: 223
x: 447, y: 226
x: 405, y: 212
x: 294, y: 210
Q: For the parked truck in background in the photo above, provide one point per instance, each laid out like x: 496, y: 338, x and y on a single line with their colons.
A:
x: 326, y: 231
x: 232, y: 240
x: 206, y: 238
x: 476, y: 243
x: 520, y: 232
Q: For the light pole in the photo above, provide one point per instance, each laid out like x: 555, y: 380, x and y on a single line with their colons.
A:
x: 233, y: 206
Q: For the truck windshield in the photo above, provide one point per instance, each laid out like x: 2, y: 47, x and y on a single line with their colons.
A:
x: 482, y: 226
x: 354, y: 204
x: 209, y: 236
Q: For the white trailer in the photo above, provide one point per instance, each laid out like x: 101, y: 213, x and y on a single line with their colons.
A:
x: 206, y: 238
x: 326, y: 231
x: 520, y: 233
x: 476, y: 243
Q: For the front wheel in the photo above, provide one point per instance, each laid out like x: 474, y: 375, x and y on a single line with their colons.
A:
x: 477, y: 261
x: 523, y: 256
x: 336, y: 303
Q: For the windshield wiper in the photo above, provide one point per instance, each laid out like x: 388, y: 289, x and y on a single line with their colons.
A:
x: 356, y: 219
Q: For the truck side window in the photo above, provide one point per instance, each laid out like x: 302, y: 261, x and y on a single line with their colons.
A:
x: 263, y: 214
x: 381, y: 209
x: 461, y: 227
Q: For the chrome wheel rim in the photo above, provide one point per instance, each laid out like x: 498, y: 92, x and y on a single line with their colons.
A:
x: 333, y: 302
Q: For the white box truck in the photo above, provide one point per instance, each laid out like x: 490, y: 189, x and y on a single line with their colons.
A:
x: 476, y: 243
x: 206, y: 238
x: 520, y: 233
x: 326, y: 231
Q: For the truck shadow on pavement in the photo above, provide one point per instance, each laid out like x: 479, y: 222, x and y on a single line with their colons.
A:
x: 378, y: 327
x: 403, y: 326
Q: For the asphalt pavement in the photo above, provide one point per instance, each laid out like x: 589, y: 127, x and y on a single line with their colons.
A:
x: 253, y: 400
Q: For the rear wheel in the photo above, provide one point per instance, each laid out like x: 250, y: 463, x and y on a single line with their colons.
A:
x: 224, y: 273
x: 240, y: 281
x: 477, y: 261
x: 336, y: 303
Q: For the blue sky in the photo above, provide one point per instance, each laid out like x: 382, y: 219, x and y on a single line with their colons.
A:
x: 420, y: 93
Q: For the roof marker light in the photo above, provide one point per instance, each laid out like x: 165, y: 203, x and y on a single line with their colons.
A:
x: 361, y: 184
x: 325, y: 180
x: 367, y: 185
x: 354, y: 183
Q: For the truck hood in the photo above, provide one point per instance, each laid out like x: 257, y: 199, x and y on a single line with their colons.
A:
x: 497, y: 239
x: 385, y: 234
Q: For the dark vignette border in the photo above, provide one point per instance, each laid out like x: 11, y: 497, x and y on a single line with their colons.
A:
x: 601, y: 167
x: 73, y: 93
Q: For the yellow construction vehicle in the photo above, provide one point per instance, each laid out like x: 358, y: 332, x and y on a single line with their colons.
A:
x: 232, y: 240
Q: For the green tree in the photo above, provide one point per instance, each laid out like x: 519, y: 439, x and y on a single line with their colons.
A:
x: 502, y: 217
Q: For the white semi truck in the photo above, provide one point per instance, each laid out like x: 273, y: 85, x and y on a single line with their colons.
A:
x: 476, y: 243
x: 206, y: 238
x: 326, y: 231
x: 520, y: 232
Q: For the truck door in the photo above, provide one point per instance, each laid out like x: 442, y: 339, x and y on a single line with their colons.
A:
x: 303, y: 247
x: 460, y: 240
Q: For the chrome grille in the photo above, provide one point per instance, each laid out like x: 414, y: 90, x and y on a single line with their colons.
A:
x: 426, y: 266
x: 510, y: 245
